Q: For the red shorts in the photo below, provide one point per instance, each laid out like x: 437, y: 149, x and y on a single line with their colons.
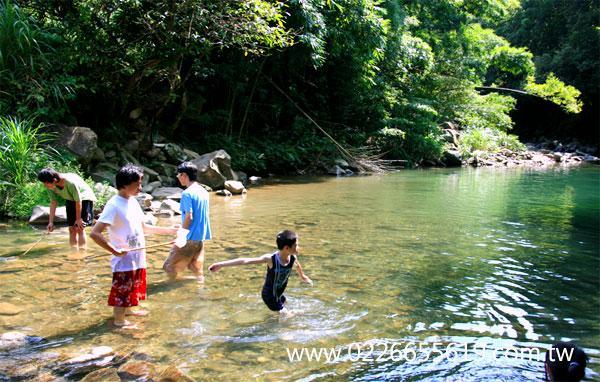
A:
x: 128, y: 288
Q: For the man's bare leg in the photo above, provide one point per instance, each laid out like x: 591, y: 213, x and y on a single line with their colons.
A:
x: 73, y: 237
x: 81, y: 240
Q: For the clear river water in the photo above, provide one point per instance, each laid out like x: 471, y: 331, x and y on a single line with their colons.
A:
x: 420, y: 275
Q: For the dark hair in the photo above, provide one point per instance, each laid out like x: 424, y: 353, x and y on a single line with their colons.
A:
x: 128, y: 174
x: 565, y: 362
x: 48, y: 175
x: 188, y: 168
x: 286, y: 237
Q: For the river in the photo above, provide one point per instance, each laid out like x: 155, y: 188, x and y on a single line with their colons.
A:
x: 447, y: 274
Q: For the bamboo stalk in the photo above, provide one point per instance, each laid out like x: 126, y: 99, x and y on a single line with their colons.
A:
x: 36, y: 243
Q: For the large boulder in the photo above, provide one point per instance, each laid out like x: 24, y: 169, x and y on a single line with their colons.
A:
x: 174, y: 153
x: 40, y: 215
x: 81, y: 141
x: 235, y: 187
x: 167, y: 193
x: 452, y: 158
x: 214, y: 169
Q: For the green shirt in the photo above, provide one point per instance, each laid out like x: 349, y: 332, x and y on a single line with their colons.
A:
x: 75, y: 189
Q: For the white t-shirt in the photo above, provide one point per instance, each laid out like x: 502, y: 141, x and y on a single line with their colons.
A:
x: 125, y: 230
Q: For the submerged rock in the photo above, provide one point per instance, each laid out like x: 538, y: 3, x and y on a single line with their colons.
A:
x: 108, y: 374
x: 136, y: 370
x: 173, y: 374
x: 8, y: 309
x: 235, y: 187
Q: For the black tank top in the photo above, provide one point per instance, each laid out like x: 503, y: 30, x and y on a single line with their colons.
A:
x: 277, y: 277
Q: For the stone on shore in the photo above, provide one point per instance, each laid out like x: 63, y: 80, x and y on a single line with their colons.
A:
x: 40, y: 215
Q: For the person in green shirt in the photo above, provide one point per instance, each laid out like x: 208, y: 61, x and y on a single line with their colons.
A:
x: 79, y: 202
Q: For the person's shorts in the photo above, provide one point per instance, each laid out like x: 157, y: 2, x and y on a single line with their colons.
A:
x: 185, y: 257
x: 128, y: 288
x: 272, y: 303
x: 87, y: 212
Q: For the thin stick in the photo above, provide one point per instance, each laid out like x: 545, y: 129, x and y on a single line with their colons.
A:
x: 134, y: 249
x: 36, y: 243
x: 151, y: 246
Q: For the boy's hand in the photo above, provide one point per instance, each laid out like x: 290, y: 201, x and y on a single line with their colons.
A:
x: 214, y: 267
x: 307, y: 280
x: 120, y: 252
x: 50, y: 227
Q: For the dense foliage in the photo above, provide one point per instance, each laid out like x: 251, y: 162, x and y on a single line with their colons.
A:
x: 244, y: 75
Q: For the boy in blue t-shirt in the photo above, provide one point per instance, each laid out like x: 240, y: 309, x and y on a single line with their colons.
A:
x: 194, y: 208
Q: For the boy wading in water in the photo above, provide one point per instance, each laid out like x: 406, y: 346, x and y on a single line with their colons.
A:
x: 79, y: 203
x: 194, y: 208
x: 123, y: 217
x: 279, y: 267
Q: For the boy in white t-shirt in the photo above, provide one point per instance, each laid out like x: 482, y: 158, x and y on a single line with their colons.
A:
x: 124, y: 219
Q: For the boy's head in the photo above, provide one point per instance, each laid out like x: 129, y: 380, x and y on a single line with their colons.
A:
x: 187, y: 169
x: 129, y: 176
x: 49, y: 177
x: 286, y: 238
x: 565, y: 362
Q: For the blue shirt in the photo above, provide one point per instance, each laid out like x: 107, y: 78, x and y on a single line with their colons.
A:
x: 195, y: 200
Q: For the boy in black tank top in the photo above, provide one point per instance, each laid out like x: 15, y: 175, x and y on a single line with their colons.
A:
x: 279, y: 267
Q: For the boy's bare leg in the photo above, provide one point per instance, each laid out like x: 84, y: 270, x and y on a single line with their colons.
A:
x: 120, y: 321
x: 139, y: 312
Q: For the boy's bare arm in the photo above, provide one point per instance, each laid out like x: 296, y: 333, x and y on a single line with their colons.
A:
x: 159, y: 230
x: 241, y: 261
x: 99, y: 238
x: 304, y: 277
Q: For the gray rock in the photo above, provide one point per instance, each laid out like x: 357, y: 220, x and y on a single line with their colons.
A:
x: 151, y: 186
x: 558, y: 157
x: 191, y: 154
x: 135, y: 113
x: 170, y: 204
x: 40, y: 215
x: 214, y: 169
x: 166, y: 170
x: 164, y: 214
x: 134, y: 370
x: 145, y: 200
x: 104, y: 191
x: 337, y: 171
x: 132, y: 146
x: 173, y: 374
x: 150, y: 219
x: 103, y: 176
x: 153, y: 152
x: 174, y: 153
x: 223, y: 193
x: 241, y: 176
x: 255, y: 179
x: 107, y: 374
x: 81, y: 141
x: 235, y: 187
x: 167, y: 193
x: 452, y: 158
x: 342, y: 163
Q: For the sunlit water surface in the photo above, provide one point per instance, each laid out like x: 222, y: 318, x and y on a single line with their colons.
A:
x: 488, y: 259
